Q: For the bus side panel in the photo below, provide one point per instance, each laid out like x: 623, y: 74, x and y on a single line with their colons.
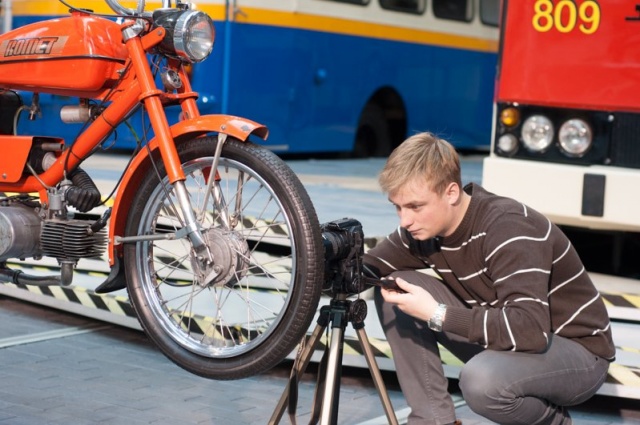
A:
x: 262, y: 65
x: 314, y: 85
x: 453, y: 95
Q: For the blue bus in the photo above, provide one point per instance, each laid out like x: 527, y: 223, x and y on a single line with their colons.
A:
x: 329, y: 76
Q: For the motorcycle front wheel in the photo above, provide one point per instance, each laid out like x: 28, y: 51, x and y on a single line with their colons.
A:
x: 248, y: 310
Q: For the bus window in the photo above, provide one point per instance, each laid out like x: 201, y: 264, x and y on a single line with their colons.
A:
x: 455, y: 10
x: 490, y: 12
x: 410, y: 6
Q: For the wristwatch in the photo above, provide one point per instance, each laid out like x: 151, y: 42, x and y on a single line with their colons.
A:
x: 435, y: 322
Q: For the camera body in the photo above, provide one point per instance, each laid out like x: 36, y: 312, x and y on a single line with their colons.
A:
x: 343, y: 242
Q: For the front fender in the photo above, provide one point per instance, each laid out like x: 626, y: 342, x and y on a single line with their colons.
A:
x: 236, y: 127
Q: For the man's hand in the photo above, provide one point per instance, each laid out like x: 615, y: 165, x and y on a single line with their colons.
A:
x: 416, y: 302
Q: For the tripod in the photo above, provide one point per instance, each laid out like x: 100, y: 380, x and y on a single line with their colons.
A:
x: 338, y: 313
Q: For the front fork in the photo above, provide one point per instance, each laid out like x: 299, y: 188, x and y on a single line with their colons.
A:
x: 150, y: 96
x: 203, y: 255
x: 204, y: 265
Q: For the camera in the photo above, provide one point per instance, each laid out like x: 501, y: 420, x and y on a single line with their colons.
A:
x: 343, y: 242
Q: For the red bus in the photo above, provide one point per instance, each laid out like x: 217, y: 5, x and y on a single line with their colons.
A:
x: 566, y: 130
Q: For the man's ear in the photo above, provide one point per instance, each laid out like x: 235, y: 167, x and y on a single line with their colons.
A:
x: 452, y: 192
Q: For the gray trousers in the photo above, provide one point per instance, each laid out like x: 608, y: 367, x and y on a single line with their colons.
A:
x: 503, y: 386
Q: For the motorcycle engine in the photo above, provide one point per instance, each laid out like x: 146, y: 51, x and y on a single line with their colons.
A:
x: 20, y: 230
x: 23, y: 234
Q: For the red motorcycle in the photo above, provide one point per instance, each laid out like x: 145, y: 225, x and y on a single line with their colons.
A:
x: 214, y: 237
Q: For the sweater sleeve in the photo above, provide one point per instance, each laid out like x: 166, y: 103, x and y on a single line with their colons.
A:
x: 391, y: 254
x: 518, y: 258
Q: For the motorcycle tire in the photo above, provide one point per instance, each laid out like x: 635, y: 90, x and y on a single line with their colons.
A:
x: 248, y: 311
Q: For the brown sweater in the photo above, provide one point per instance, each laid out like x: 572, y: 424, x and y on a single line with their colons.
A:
x: 517, y: 273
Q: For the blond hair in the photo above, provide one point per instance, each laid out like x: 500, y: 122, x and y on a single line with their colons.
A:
x: 422, y: 156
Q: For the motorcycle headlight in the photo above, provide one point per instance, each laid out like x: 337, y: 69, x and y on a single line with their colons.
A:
x: 537, y: 133
x: 189, y: 34
x: 575, y: 137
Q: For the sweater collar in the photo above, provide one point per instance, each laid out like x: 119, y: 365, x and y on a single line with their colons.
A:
x: 461, y: 232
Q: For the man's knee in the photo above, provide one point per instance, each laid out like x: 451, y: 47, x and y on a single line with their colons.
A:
x: 482, y: 388
x: 474, y: 382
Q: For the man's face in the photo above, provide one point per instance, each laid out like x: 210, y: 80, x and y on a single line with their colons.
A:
x: 423, y: 212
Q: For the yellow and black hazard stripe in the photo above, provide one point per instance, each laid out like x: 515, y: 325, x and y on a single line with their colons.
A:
x: 619, y: 299
x: 620, y: 374
x: 79, y: 295
x: 352, y: 346
x: 625, y: 375
x: 118, y: 305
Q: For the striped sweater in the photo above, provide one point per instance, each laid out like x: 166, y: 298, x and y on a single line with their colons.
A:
x: 517, y: 273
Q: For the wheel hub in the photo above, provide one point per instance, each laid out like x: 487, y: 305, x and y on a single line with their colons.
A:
x: 230, y: 257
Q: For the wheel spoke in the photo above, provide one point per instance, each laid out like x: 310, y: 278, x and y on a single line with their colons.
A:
x: 252, y: 302
x: 216, y: 314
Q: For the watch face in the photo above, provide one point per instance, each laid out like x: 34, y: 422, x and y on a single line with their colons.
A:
x: 435, y: 322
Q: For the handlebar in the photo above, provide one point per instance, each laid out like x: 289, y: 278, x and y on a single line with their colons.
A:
x: 121, y: 10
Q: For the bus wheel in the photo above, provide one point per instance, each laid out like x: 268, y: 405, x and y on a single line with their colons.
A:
x: 372, y: 137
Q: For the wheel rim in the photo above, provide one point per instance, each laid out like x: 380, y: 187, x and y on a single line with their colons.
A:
x: 240, y: 308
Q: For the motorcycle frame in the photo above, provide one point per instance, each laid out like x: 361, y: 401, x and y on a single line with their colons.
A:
x: 138, y: 86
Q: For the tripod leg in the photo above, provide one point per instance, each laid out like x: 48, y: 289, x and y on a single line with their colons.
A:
x: 305, y: 358
x: 331, y: 396
x: 377, y: 376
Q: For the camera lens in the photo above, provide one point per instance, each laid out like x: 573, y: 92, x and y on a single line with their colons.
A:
x: 335, y: 245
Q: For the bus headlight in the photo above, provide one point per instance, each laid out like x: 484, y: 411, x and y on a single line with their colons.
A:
x: 189, y: 34
x: 537, y: 133
x: 508, y: 143
x: 575, y: 137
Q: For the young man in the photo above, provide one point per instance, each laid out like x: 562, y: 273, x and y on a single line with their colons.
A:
x: 493, y: 281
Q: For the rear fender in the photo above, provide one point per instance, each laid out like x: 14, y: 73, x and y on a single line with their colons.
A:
x: 236, y: 127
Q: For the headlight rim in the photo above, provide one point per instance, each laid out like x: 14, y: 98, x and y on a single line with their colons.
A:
x: 182, y: 33
x: 561, y: 140
x: 178, y: 25
x: 503, y: 140
x: 529, y: 144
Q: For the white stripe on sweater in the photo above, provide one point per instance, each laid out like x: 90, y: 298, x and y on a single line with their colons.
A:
x: 486, y: 336
x: 563, y: 254
x: 591, y: 301
x: 518, y: 238
x: 520, y: 272
x: 538, y: 300
x: 471, y: 239
x: 471, y: 276
x: 597, y: 331
x: 566, y: 281
x: 506, y: 323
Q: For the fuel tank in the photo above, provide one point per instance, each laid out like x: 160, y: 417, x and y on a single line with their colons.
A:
x: 67, y: 56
